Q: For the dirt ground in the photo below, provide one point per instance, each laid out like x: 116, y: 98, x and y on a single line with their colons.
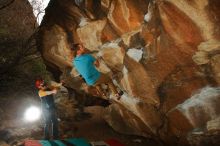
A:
x: 93, y: 127
x: 89, y: 125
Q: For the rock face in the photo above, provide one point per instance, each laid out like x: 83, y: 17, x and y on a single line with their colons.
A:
x: 17, y: 24
x: 163, y: 53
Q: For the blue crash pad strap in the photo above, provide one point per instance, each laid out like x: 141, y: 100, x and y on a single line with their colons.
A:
x: 67, y: 143
x: 78, y: 141
x: 48, y: 143
x: 60, y: 143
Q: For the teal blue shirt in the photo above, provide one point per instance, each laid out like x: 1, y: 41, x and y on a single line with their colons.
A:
x: 84, y: 64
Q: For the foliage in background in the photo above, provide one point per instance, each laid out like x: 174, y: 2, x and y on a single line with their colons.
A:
x: 22, y: 78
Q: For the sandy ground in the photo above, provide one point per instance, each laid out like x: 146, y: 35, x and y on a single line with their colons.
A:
x: 94, y: 128
x: 90, y: 126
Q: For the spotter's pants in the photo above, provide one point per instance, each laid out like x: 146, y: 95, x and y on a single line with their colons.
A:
x: 50, y: 123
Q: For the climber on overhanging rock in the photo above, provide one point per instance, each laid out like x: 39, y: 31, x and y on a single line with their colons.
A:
x: 85, y: 64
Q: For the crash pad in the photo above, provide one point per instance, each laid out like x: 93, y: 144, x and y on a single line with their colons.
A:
x: 114, y: 142
x: 78, y: 141
x: 32, y: 143
x: 71, y: 142
x: 65, y: 142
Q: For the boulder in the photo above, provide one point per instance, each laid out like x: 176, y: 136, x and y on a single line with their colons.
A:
x: 163, y: 54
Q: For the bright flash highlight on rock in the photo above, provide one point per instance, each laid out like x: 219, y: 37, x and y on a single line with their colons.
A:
x: 32, y: 114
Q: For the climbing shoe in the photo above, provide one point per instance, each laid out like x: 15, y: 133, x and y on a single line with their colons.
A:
x: 119, y: 94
